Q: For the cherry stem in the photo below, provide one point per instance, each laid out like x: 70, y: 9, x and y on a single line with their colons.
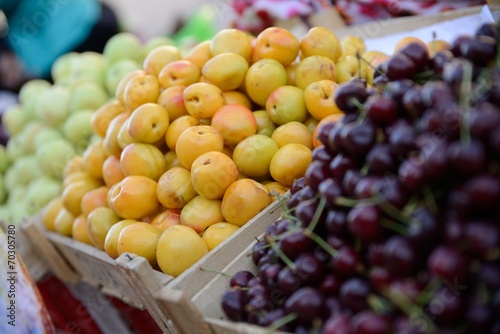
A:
x: 392, y: 211
x: 362, y: 115
x: 425, y: 295
x: 410, y: 206
x: 365, y: 168
x: 484, y: 83
x: 289, y: 263
x: 376, y: 69
x: 412, y: 310
x: 215, y: 271
x: 393, y: 226
x: 378, y: 304
x: 357, y: 104
x: 429, y: 198
x: 322, y: 243
x: 433, y: 45
x: 358, y: 57
x: 287, y: 212
x: 465, y: 91
x: 283, y: 321
x: 483, y: 293
x: 348, y: 202
x: 357, y: 245
x: 282, y: 202
x: 317, y: 214
x: 424, y: 76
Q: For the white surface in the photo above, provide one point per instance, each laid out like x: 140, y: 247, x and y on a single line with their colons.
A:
x: 447, y: 31
x: 151, y: 18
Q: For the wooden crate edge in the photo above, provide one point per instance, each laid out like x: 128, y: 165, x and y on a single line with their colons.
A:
x: 171, y: 300
x: 183, y: 313
x: 146, y: 282
x: 56, y: 261
x: 98, y: 258
x: 329, y: 19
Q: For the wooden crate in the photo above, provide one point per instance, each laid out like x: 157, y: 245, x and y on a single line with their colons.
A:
x: 37, y: 265
x: 129, y: 278
x: 46, y: 252
x: 132, y: 279
x: 198, y: 310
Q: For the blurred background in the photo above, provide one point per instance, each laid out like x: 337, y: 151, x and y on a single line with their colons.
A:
x: 150, y: 18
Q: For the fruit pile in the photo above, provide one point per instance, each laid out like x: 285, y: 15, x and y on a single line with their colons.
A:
x: 194, y: 144
x: 394, y: 228
x: 51, y: 124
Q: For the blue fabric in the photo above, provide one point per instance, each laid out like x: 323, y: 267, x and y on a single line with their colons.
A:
x: 42, y: 30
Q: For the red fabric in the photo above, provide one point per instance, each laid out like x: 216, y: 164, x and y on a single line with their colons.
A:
x: 70, y: 316
x: 68, y: 313
x: 141, y: 321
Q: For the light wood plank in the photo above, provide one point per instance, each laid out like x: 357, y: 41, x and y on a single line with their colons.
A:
x: 146, y: 282
x: 34, y: 229
x: 96, y: 268
x: 184, y: 314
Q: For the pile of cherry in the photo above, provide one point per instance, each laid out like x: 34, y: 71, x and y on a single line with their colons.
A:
x: 396, y: 226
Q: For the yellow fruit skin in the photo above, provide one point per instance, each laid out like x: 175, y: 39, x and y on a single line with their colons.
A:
x: 50, y: 211
x: 290, y: 162
x: 243, y: 200
x: 217, y: 233
x: 111, y: 240
x: 179, y: 247
x: 140, y: 238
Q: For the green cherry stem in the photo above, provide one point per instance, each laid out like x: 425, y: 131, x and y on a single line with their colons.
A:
x: 429, y: 198
x: 322, y: 243
x: 317, y: 214
x: 425, y: 295
x: 289, y: 263
x: 283, y: 321
x: 393, y: 212
x: 365, y: 168
x: 379, y: 304
x: 410, y: 206
x: 215, y: 271
x: 358, y: 57
x: 393, y: 226
x: 465, y: 92
x: 347, y: 202
x: 376, y: 69
x: 412, y: 310
x: 357, y: 104
x: 433, y: 43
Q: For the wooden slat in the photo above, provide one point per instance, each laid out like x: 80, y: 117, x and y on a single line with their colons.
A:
x: 58, y: 266
x: 229, y: 327
x: 208, y: 299
x: 96, y: 268
x: 36, y: 264
x: 184, y: 314
x: 379, y: 28
x: 146, y: 282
